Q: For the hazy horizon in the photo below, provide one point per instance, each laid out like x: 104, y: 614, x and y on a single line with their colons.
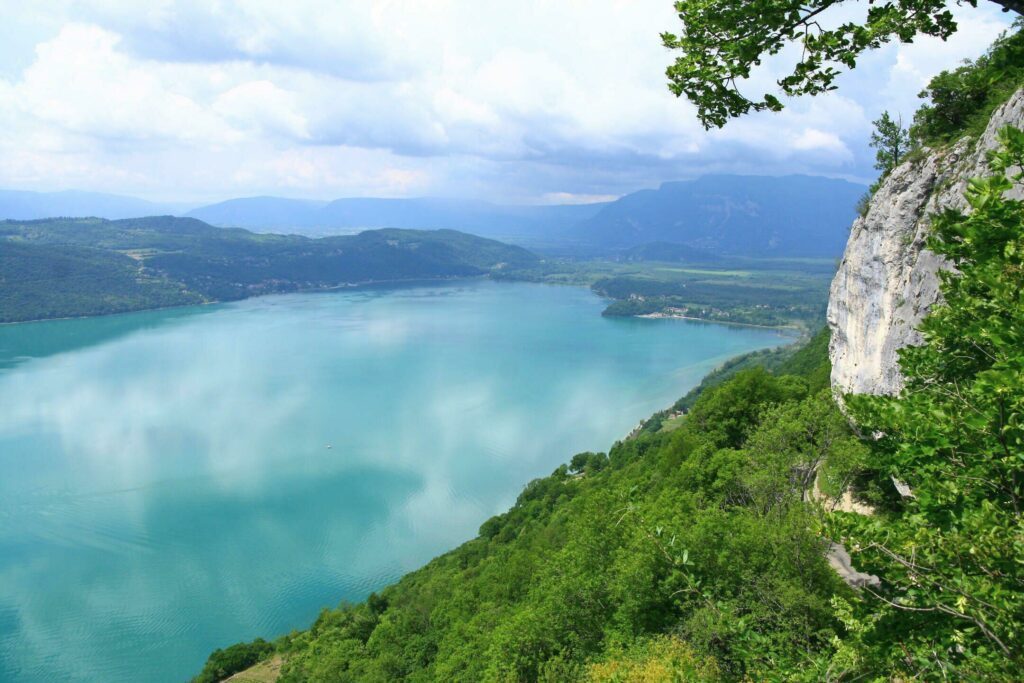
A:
x: 184, y: 206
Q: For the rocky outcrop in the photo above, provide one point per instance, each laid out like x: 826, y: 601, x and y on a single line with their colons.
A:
x: 887, y: 280
x: 841, y: 564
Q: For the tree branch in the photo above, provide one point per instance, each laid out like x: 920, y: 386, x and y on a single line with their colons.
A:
x: 1016, y: 6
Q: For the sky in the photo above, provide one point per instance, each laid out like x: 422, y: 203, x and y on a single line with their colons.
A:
x: 535, y: 101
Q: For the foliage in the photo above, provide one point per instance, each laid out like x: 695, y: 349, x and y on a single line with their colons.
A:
x: 231, y: 660
x: 808, y: 360
x: 584, y: 463
x: 962, y: 100
x: 43, y: 281
x: 951, y: 604
x: 722, y: 42
x: 891, y: 142
x: 664, y: 659
x: 74, y: 267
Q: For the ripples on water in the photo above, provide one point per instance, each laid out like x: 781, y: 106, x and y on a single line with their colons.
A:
x: 166, y: 486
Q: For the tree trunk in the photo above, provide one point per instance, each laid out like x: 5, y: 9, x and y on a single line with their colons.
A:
x: 1016, y: 6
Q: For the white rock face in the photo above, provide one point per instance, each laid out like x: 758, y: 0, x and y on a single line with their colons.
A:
x: 887, y: 280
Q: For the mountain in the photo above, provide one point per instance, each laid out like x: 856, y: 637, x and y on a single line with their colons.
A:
x: 729, y: 214
x: 74, y: 267
x: 345, y: 215
x: 719, y: 214
x: 260, y: 213
x: 23, y: 205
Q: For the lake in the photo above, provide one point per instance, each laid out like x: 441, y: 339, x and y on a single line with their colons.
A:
x: 176, y: 481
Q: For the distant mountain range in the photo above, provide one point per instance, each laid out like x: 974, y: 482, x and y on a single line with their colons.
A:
x: 23, y: 205
x: 719, y: 214
x: 726, y: 214
x: 478, y: 217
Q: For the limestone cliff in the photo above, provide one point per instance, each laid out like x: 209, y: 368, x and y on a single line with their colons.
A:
x: 887, y: 280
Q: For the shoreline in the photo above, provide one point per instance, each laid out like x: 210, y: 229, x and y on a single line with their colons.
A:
x: 214, y: 302
x: 794, y: 331
x: 672, y: 316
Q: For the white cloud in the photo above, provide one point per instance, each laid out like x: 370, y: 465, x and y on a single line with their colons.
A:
x: 814, y: 139
x: 262, y: 107
x: 361, y: 172
x: 81, y: 83
x: 575, y: 198
x: 182, y: 99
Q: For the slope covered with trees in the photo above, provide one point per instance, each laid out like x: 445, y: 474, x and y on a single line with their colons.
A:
x: 73, y: 267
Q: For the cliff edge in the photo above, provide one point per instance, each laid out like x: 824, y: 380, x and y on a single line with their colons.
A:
x: 887, y: 280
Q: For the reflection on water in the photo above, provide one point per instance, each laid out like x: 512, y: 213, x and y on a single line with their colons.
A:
x: 21, y: 343
x: 172, y: 482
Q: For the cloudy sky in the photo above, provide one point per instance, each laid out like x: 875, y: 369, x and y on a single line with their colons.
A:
x: 534, y: 101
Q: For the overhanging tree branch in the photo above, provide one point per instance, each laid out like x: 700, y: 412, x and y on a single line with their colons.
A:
x: 1015, y: 6
x: 722, y: 41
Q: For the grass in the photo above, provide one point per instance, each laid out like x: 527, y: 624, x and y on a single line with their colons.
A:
x: 672, y: 424
x: 264, y: 672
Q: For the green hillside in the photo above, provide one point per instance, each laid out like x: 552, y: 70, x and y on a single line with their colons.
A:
x: 74, y: 267
x: 54, y: 280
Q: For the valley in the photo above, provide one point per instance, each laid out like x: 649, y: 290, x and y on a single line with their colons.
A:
x: 644, y: 342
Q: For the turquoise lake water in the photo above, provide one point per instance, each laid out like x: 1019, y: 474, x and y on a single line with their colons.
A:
x: 176, y: 481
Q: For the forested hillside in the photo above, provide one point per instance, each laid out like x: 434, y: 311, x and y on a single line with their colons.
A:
x: 72, y: 267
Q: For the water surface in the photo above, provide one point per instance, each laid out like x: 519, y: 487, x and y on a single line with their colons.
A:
x: 175, y: 481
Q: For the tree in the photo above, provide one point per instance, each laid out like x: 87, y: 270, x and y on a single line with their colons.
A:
x: 965, y: 97
x: 950, y: 557
x: 723, y: 40
x: 891, y: 140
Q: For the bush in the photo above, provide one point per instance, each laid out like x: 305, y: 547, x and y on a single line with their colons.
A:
x: 962, y: 100
x: 231, y: 660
